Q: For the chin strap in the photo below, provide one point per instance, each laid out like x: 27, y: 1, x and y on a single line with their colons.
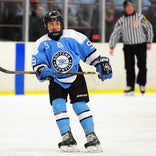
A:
x: 55, y: 35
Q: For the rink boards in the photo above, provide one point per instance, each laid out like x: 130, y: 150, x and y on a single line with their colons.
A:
x: 17, y: 56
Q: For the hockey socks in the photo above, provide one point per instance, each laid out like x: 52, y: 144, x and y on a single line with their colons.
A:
x: 61, y: 116
x: 86, y: 120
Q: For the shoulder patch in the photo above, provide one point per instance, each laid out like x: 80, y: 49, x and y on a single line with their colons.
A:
x: 145, y: 19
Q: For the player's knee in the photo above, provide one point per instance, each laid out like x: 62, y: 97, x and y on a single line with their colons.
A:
x: 80, y: 107
x: 59, y: 105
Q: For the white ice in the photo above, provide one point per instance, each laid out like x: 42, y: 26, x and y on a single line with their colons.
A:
x: 126, y: 126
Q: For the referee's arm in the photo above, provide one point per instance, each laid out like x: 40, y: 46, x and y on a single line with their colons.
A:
x: 148, y: 29
x: 115, y: 36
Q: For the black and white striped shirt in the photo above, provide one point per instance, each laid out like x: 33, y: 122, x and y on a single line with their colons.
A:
x: 133, y: 29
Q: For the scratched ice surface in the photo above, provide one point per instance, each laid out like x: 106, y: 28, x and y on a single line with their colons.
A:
x: 126, y: 126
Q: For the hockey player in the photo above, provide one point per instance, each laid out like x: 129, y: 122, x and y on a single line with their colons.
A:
x: 61, y: 51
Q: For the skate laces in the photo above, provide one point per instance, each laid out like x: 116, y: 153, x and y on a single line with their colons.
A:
x: 91, y: 137
x: 66, y: 136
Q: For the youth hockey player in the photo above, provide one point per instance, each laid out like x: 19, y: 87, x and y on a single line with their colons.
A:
x: 61, y: 51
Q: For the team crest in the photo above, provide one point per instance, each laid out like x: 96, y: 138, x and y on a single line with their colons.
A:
x: 62, y: 61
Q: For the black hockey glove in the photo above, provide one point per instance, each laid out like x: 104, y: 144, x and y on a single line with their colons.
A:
x: 103, y: 67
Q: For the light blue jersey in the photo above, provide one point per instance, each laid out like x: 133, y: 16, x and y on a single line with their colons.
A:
x: 63, y: 55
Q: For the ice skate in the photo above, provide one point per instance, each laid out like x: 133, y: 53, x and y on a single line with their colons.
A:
x: 142, y: 89
x: 93, y: 143
x: 68, y: 143
x: 129, y: 91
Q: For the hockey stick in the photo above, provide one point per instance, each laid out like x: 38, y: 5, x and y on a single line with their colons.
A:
x: 31, y: 72
x: 15, y: 72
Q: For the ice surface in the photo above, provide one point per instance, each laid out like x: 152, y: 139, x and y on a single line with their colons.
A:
x: 126, y: 126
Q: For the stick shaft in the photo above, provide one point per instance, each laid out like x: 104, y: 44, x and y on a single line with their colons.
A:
x: 31, y: 72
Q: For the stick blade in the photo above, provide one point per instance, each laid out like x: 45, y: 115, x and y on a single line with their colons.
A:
x: 15, y: 72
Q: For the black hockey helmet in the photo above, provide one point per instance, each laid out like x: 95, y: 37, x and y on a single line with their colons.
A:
x: 128, y: 2
x: 54, y: 16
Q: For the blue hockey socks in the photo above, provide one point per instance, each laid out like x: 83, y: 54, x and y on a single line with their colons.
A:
x: 61, y: 116
x: 86, y: 120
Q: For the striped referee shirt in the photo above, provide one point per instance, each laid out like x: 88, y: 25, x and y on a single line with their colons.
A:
x: 133, y: 29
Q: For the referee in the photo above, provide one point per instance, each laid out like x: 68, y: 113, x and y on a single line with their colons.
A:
x: 137, y: 35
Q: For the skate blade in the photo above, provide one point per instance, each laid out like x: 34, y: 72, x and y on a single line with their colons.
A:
x: 71, y: 148
x: 94, y: 149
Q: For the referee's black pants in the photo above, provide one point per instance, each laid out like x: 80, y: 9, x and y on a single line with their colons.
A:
x: 133, y: 53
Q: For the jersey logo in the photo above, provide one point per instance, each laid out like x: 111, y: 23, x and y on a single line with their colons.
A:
x: 62, y: 61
